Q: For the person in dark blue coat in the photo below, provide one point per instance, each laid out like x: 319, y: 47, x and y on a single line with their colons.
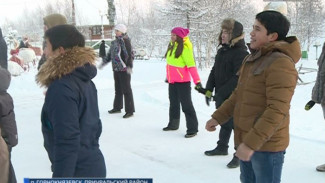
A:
x: 70, y: 117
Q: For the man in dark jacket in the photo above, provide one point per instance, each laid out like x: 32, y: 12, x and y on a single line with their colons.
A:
x: 223, y: 78
x: 3, y: 52
x: 70, y: 117
x: 8, y: 124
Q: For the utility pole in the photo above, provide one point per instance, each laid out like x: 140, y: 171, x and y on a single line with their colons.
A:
x: 73, y: 14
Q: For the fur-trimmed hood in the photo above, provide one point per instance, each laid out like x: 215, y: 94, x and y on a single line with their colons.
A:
x: 57, y: 67
x: 235, y: 30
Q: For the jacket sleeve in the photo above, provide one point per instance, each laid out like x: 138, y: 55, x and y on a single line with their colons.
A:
x: 64, y: 117
x: 108, y: 58
x: 281, y: 79
x: 128, y: 47
x: 210, y: 83
x: 226, y: 110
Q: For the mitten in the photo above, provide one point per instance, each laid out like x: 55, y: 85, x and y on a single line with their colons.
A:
x: 309, y: 105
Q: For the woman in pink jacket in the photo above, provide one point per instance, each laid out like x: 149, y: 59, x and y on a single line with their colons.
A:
x: 180, y: 68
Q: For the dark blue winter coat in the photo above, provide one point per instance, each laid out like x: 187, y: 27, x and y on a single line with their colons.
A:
x: 70, y: 117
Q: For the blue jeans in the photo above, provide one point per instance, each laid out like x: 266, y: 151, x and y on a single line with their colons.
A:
x: 264, y: 167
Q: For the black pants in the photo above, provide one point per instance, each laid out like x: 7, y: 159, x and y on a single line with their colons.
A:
x: 180, y: 93
x: 224, y: 135
x: 123, y: 88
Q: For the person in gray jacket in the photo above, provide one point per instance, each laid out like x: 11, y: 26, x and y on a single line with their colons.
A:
x: 7, y: 118
x: 318, y: 92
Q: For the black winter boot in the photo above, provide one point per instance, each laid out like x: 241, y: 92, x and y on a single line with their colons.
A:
x: 216, y: 152
x: 234, y: 163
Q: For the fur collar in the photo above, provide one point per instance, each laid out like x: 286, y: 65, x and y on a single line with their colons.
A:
x: 56, y: 67
x: 235, y: 40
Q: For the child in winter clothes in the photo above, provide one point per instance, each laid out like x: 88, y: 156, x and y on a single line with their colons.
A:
x: 180, y: 68
x: 261, y: 101
x: 7, y: 118
x: 318, y: 92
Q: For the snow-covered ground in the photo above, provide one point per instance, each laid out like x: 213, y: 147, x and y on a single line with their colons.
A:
x: 138, y: 148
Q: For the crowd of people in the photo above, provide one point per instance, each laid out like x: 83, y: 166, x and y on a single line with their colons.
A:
x: 251, y: 91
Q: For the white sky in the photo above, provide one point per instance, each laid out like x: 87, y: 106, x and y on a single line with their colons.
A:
x: 13, y: 9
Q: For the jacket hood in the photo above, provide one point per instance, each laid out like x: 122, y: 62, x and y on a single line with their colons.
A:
x: 290, y: 47
x: 1, y: 33
x: 5, y: 79
x: 79, y: 61
x: 187, y: 43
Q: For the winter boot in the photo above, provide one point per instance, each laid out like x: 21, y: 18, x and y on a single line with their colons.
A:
x: 216, y: 152
x: 234, y: 163
x: 189, y: 135
x: 172, y: 125
x: 113, y: 111
x: 321, y: 168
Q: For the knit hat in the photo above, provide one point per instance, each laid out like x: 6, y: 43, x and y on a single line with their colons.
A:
x: 234, y: 28
x: 54, y: 19
x: 5, y: 79
x: 121, y: 27
x: 180, y: 31
x: 277, y: 6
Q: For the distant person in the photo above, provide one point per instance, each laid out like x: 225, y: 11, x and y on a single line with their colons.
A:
x: 261, y: 101
x: 71, y: 125
x: 319, y: 91
x: 223, y: 79
x: 102, y: 49
x: 3, y: 52
x: 180, y: 69
x: 24, y: 43
x: 8, y: 124
x: 120, y: 53
x: 50, y: 21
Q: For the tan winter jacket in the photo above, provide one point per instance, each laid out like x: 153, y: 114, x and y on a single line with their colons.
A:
x: 4, y: 160
x: 260, y: 104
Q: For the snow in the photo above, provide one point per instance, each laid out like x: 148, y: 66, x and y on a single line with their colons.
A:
x: 138, y: 148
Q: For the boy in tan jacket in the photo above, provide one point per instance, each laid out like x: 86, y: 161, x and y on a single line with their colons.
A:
x: 261, y: 101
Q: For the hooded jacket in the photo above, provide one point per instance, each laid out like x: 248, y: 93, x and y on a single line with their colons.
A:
x: 7, y: 115
x: 181, y: 69
x: 228, y: 60
x: 260, y: 104
x: 70, y: 117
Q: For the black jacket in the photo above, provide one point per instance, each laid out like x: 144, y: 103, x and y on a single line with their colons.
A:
x: 223, y: 78
x: 70, y: 117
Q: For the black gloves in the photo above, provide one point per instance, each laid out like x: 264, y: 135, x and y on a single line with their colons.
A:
x: 198, y: 87
x: 309, y: 105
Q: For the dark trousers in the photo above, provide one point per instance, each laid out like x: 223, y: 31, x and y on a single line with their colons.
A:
x: 12, y: 175
x: 180, y: 93
x: 224, y: 135
x: 123, y: 88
